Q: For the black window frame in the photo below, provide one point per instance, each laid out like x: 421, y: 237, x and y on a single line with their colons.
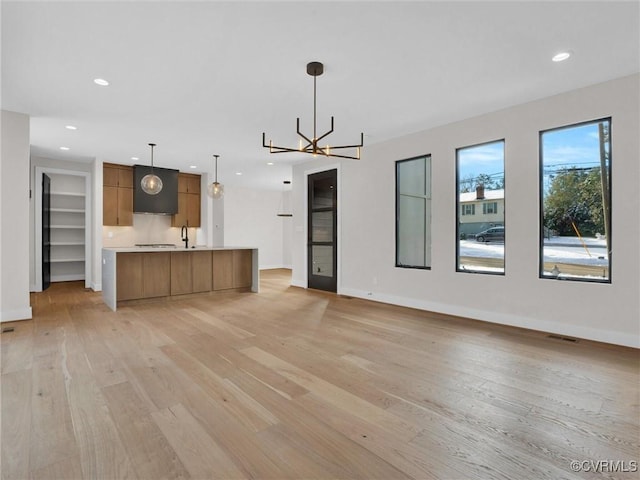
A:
x: 458, y: 211
x: 541, y: 227
x: 397, y: 210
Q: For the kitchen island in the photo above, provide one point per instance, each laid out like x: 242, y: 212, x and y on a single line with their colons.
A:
x: 141, y: 272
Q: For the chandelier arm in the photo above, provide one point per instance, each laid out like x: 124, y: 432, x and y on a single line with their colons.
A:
x: 342, y: 156
x: 275, y: 149
x: 302, y: 134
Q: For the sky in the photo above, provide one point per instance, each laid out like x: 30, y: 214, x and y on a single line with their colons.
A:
x: 576, y: 146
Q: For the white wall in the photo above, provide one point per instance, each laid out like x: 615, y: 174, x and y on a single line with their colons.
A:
x: 250, y: 220
x: 14, y: 212
x: 604, y: 312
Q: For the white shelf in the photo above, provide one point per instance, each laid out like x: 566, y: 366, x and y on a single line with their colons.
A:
x: 66, y: 260
x: 68, y: 194
x: 67, y: 210
x: 76, y: 227
x: 61, y: 244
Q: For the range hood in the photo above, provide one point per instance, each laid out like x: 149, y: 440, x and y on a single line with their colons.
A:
x: 165, y: 202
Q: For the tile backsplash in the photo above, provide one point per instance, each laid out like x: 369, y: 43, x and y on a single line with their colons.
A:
x: 146, y: 229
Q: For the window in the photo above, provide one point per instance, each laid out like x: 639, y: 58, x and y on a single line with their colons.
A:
x: 480, y: 181
x: 575, y: 202
x: 489, y: 208
x: 413, y: 212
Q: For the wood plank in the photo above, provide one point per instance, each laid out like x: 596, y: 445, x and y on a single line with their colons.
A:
x: 151, y: 454
x: 200, y: 454
x: 16, y: 424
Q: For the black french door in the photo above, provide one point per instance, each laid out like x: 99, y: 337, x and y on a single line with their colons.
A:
x: 322, y: 240
x: 46, y: 231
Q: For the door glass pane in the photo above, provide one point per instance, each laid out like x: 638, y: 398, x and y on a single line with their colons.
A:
x: 322, y: 260
x: 322, y: 193
x: 322, y: 230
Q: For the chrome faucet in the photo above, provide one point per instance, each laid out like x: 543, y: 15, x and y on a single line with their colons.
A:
x: 184, y: 233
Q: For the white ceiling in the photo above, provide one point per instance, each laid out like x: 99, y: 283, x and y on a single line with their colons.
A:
x: 204, y: 78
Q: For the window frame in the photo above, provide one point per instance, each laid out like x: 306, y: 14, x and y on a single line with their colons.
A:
x: 458, y: 209
x: 541, y: 203
x: 397, y: 210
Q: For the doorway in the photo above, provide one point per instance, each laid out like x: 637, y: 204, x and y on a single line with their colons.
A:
x: 322, y: 237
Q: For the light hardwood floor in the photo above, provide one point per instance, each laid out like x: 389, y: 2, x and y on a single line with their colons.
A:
x: 289, y: 384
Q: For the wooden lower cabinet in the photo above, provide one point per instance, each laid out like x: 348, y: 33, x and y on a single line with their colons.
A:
x: 242, y: 268
x: 181, y: 282
x: 190, y: 272
x: 163, y: 274
x: 142, y: 275
x: 129, y: 276
x: 201, y: 271
x: 156, y: 269
x: 222, y: 263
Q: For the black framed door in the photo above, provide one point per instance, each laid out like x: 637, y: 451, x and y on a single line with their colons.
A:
x: 322, y: 239
x: 46, y: 231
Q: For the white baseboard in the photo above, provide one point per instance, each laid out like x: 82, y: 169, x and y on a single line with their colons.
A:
x: 296, y: 282
x: 16, y: 314
x: 96, y: 287
x: 72, y: 277
x: 273, y: 267
x: 587, y: 333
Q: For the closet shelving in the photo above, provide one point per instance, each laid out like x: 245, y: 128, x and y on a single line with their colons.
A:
x: 67, y: 214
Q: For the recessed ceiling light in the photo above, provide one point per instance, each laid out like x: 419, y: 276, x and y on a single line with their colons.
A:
x: 238, y: 173
x: 560, y: 57
x: 269, y: 163
x: 135, y: 158
x: 71, y: 127
x: 64, y: 148
x: 100, y: 81
x: 193, y: 166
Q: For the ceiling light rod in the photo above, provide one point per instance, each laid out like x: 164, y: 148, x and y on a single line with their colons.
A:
x: 151, y: 183
x: 315, y: 69
x: 216, y: 189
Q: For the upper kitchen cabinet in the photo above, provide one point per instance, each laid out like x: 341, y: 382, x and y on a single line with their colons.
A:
x: 117, y: 201
x: 188, y: 201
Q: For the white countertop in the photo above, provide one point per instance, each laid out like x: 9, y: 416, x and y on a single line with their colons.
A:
x: 177, y: 248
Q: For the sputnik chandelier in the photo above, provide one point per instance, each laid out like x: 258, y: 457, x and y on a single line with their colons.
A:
x: 310, y: 145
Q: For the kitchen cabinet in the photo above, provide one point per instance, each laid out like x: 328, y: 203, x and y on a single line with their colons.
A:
x: 117, y: 195
x: 129, y: 275
x: 201, y: 273
x: 222, y: 262
x: 135, y: 273
x: 156, y: 268
x: 188, y: 201
x: 181, y: 281
x: 142, y: 275
x: 190, y: 272
x: 242, y: 268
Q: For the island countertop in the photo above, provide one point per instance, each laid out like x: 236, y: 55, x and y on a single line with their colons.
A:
x: 163, y: 270
x: 172, y: 248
